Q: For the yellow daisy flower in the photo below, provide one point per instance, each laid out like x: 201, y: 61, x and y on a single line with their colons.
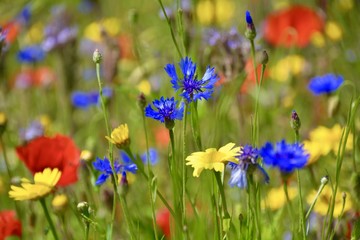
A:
x: 120, y: 136
x: 323, y: 202
x: 44, y: 182
x: 276, y: 198
x: 333, y: 31
x: 213, y: 159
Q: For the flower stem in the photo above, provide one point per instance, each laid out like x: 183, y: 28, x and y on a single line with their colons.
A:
x: 314, y: 201
x: 301, y: 207
x: 171, y: 29
x: 183, y: 176
x: 339, y: 160
x: 226, y: 216
x: 152, y: 200
x: 195, y: 126
x: 48, y: 218
x: 256, y: 114
x: 87, y: 230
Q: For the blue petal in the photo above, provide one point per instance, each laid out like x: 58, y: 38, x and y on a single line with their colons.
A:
x: 153, y: 156
x: 102, y: 178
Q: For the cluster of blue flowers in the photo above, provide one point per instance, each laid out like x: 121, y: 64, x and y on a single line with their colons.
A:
x: 191, y: 89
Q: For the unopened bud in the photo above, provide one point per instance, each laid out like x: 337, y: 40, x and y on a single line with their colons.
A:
x: 250, y: 32
x: 85, y: 210
x: 97, y: 56
x: 295, y: 122
x: 142, y: 101
x: 264, y: 59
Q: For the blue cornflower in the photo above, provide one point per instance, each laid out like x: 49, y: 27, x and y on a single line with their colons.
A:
x: 31, y: 54
x: 86, y: 99
x: 247, y: 164
x: 192, y: 89
x: 287, y: 157
x: 325, y: 84
x: 249, y: 18
x: 104, y: 166
x: 166, y: 111
x: 153, y: 156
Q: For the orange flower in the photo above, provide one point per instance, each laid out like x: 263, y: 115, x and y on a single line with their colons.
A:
x: 292, y: 26
x: 163, y: 221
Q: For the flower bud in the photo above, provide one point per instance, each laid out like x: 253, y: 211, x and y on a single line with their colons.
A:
x: 250, y: 32
x: 324, y: 180
x: 86, y: 155
x: 97, y: 56
x: 142, y: 101
x: 85, y: 210
x: 295, y: 122
x: 264, y: 58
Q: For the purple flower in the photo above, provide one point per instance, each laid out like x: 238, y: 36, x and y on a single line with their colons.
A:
x: 34, y: 130
x: 31, y: 54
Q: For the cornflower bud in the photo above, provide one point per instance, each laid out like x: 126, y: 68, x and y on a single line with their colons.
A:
x: 295, y: 122
x: 97, y: 56
x: 250, y: 32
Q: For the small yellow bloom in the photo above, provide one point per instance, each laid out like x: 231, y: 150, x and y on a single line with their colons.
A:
x: 314, y: 149
x: 213, y: 159
x: 333, y: 31
x: 144, y: 87
x: 317, y: 39
x: 86, y: 155
x: 219, y: 11
x: 110, y: 25
x: 287, y: 67
x: 120, y: 136
x: 44, y: 182
x: 276, y: 197
x: 35, y: 33
x: 224, y: 11
x: 59, y: 202
x: 323, y: 202
x: 205, y: 11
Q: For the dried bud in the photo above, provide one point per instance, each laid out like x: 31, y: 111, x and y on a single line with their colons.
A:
x: 142, y: 101
x: 324, y: 180
x: 295, y: 122
x: 264, y: 59
x: 250, y: 32
x: 97, y: 56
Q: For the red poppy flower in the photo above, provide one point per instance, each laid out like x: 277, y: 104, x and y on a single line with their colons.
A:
x: 292, y: 26
x: 12, y: 29
x: 163, y: 221
x: 9, y: 225
x: 29, y: 77
x: 56, y: 152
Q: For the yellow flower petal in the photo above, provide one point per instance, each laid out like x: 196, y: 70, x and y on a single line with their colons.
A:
x: 44, y: 182
x: 212, y: 159
x: 333, y: 31
x: 276, y: 197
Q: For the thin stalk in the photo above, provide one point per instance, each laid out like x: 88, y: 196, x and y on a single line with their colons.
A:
x: 340, y: 217
x: 195, y: 126
x: 106, y: 119
x: 254, y: 209
x: 183, y: 176
x: 322, y: 186
x: 48, y: 218
x: 225, y: 215
x: 339, y: 160
x: 256, y: 117
x: 87, y: 230
x: 149, y: 179
x: 171, y: 29
x: 288, y: 200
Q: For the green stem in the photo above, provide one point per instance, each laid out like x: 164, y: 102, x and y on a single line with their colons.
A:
x: 150, y: 178
x: 48, y: 218
x: 183, y: 176
x: 195, y: 126
x: 225, y: 216
x: 87, y: 230
x: 171, y: 29
x: 314, y: 201
x: 102, y: 99
x: 256, y: 114
x: 288, y: 201
x: 301, y: 208
x: 339, y: 160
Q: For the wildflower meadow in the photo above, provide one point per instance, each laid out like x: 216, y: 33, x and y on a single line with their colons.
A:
x: 179, y: 119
